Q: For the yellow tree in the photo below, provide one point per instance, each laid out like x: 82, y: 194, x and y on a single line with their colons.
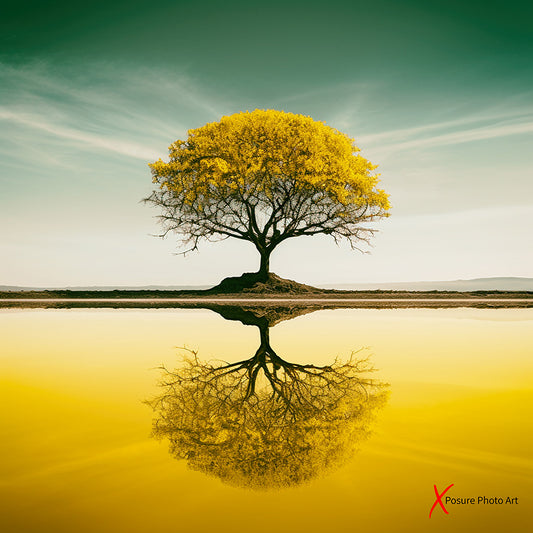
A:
x: 265, y: 422
x: 264, y: 177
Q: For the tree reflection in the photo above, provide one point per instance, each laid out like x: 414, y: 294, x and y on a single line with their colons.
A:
x: 264, y: 422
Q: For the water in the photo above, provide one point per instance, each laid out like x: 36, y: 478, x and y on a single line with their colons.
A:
x: 449, y: 403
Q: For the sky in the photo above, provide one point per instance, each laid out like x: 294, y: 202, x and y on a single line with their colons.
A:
x: 438, y: 94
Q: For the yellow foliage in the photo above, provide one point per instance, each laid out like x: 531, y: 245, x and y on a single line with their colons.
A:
x: 260, y: 153
x: 264, y: 177
x: 294, y: 426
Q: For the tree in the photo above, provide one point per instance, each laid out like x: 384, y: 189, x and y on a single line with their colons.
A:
x: 264, y: 422
x: 265, y: 177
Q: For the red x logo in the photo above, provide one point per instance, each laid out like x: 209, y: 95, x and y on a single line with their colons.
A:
x: 439, y: 499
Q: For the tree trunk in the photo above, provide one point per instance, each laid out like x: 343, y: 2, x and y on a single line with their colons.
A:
x: 264, y: 268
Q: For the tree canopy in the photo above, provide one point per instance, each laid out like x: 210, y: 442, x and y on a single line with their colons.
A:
x: 264, y: 177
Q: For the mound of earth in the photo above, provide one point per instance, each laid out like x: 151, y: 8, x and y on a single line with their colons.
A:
x: 250, y: 282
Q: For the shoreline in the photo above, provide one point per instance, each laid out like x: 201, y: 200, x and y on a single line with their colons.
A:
x: 263, y: 302
x: 251, y: 295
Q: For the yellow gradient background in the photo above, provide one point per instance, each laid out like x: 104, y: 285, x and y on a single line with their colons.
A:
x: 76, y: 452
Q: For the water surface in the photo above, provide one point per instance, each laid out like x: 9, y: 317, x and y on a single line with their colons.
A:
x: 77, y: 452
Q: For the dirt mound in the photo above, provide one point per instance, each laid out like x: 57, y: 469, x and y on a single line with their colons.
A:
x: 250, y: 282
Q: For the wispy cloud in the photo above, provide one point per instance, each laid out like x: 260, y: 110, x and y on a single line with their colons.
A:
x: 455, y: 137
x: 113, y: 145
x: 488, y: 116
x: 127, y: 113
x: 365, y: 112
x: 487, y: 124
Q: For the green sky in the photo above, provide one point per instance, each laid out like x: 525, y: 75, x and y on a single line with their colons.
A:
x: 439, y: 94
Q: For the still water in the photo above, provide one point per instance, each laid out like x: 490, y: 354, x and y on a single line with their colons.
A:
x: 298, y: 436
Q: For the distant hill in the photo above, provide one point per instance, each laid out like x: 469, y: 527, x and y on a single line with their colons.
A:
x: 478, y: 284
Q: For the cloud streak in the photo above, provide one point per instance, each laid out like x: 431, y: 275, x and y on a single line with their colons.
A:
x: 466, y: 136
x: 126, y: 114
x: 118, y: 146
x: 490, y: 125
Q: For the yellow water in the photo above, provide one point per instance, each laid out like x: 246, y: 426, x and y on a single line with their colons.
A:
x: 76, y: 452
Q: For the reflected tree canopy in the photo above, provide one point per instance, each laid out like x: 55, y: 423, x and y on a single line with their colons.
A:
x: 264, y: 422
